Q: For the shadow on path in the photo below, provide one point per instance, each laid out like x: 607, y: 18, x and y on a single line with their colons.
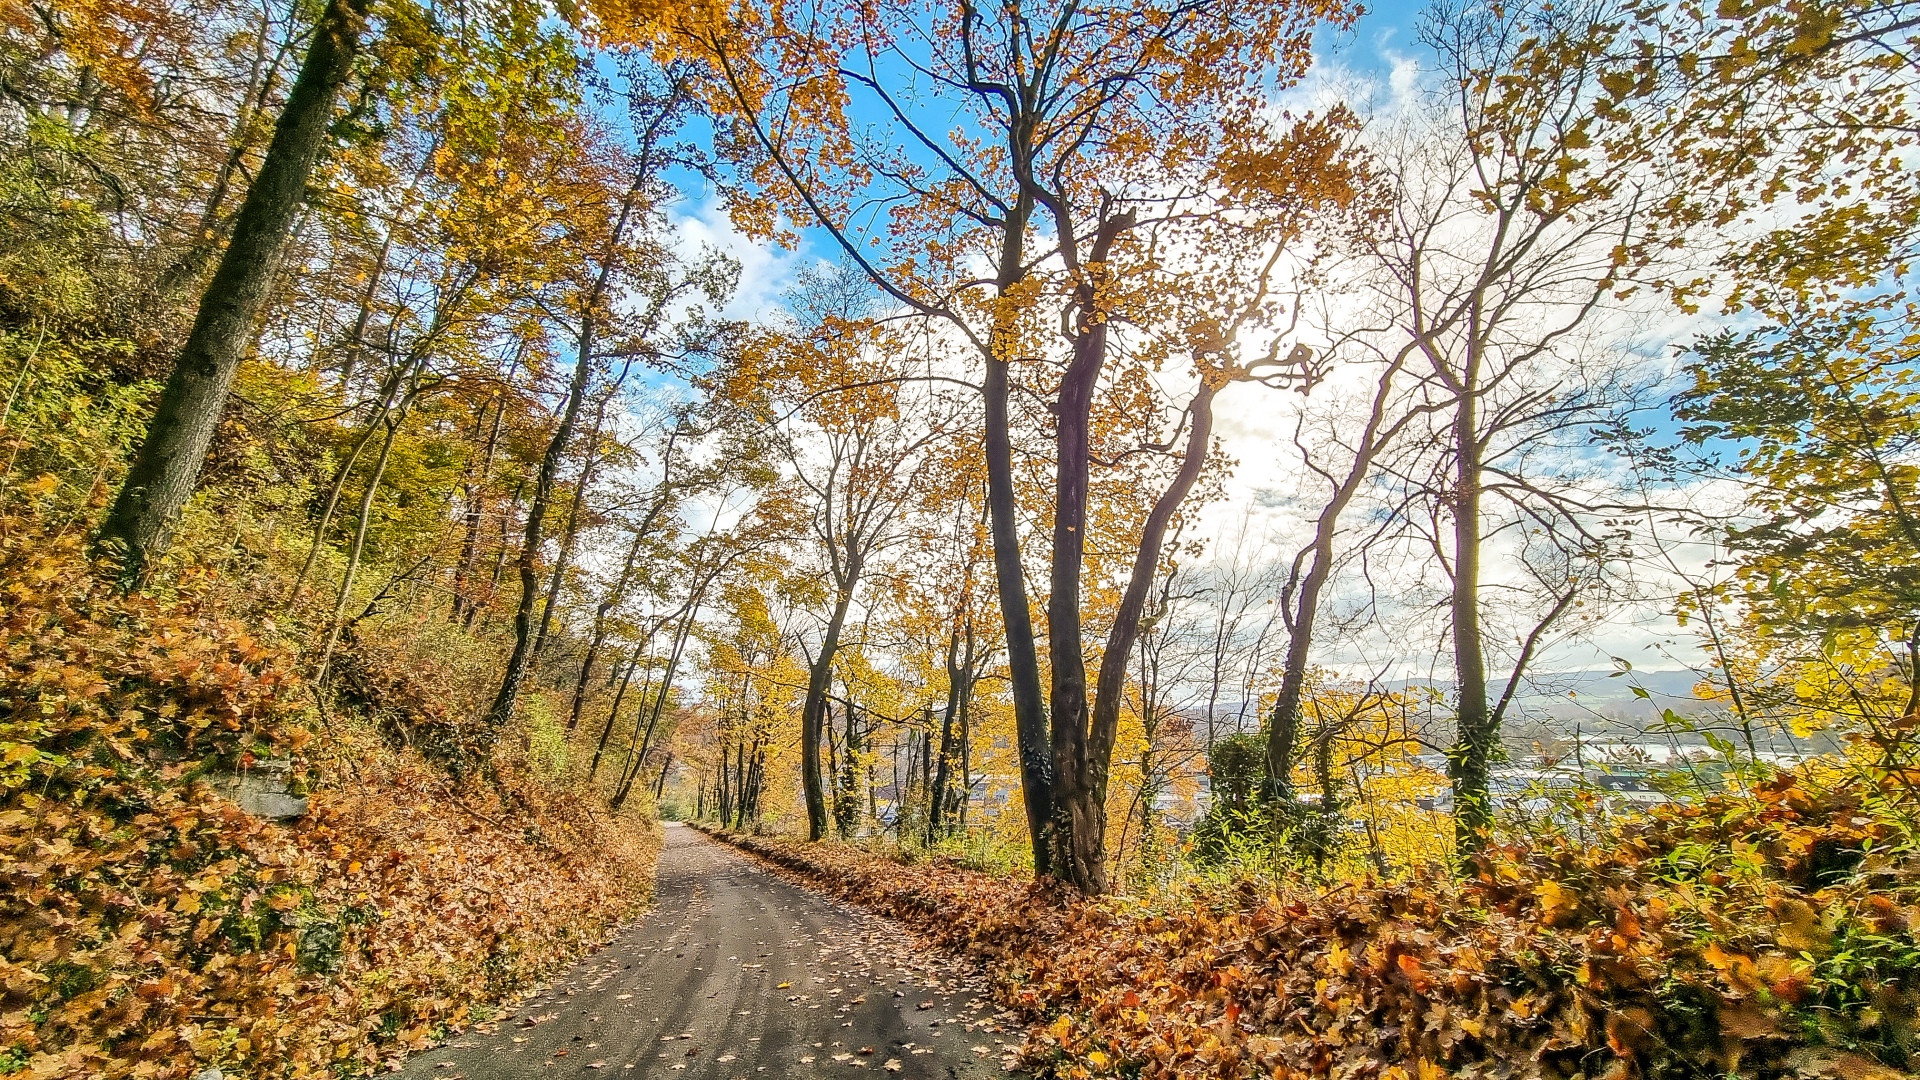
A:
x: 736, y: 973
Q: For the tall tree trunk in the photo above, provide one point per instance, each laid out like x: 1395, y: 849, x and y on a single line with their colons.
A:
x: 1089, y: 850
x: 507, y: 700
x: 1283, y: 732
x: 474, y: 483
x: 1474, y: 724
x: 166, y: 469
x: 1023, y: 654
x: 1078, y: 836
x: 813, y: 710
x: 504, y: 703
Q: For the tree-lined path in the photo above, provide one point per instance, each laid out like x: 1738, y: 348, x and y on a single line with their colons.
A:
x: 737, y: 973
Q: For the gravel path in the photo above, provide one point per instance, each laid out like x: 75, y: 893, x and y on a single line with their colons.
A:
x: 737, y: 973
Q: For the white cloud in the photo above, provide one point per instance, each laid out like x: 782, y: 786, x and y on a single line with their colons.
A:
x: 767, y: 271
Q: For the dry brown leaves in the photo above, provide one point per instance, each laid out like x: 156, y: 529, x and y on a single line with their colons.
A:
x: 149, y: 928
x: 1770, y: 936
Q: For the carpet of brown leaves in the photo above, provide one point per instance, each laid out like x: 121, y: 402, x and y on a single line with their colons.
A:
x: 149, y: 928
x: 1763, y: 936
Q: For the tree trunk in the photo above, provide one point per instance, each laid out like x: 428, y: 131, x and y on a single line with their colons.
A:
x: 501, y: 712
x: 598, y: 638
x: 357, y: 340
x: 359, y: 545
x: 572, y: 531
x: 1091, y: 790
x: 937, y: 794
x: 616, y: 595
x: 812, y: 713
x: 1023, y: 655
x: 606, y: 730
x: 1078, y: 836
x: 1474, y: 726
x: 630, y: 769
x: 472, y: 513
x: 1283, y: 733
x: 504, y: 703
x: 385, y: 403
x: 166, y: 469
x: 846, y: 799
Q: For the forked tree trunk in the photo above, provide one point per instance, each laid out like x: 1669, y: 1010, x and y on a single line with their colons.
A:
x: 813, y: 710
x: 1077, y: 838
x: 166, y: 468
x: 1090, y: 791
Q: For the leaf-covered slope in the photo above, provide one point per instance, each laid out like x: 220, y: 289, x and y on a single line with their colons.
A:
x: 1768, y: 936
x: 148, y: 927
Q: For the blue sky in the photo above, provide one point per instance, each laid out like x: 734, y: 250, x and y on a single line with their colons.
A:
x: 1381, y: 41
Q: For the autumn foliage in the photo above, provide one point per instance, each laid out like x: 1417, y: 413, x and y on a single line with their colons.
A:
x: 151, y: 928
x: 1763, y: 936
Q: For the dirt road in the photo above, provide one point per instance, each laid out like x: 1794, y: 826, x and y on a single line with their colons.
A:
x: 736, y: 974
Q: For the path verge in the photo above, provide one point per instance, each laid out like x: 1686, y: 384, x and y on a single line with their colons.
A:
x: 1568, y: 960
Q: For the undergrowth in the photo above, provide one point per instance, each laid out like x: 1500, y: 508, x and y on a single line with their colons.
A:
x: 1768, y: 933
x: 149, y: 927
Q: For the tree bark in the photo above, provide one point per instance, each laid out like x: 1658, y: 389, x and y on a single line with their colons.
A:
x: 504, y: 703
x: 1474, y: 723
x: 1090, y: 851
x: 1283, y: 733
x: 166, y: 468
x: 1078, y: 834
x: 819, y: 680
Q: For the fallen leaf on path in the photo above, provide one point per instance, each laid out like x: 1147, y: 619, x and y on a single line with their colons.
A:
x: 892, y: 1065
